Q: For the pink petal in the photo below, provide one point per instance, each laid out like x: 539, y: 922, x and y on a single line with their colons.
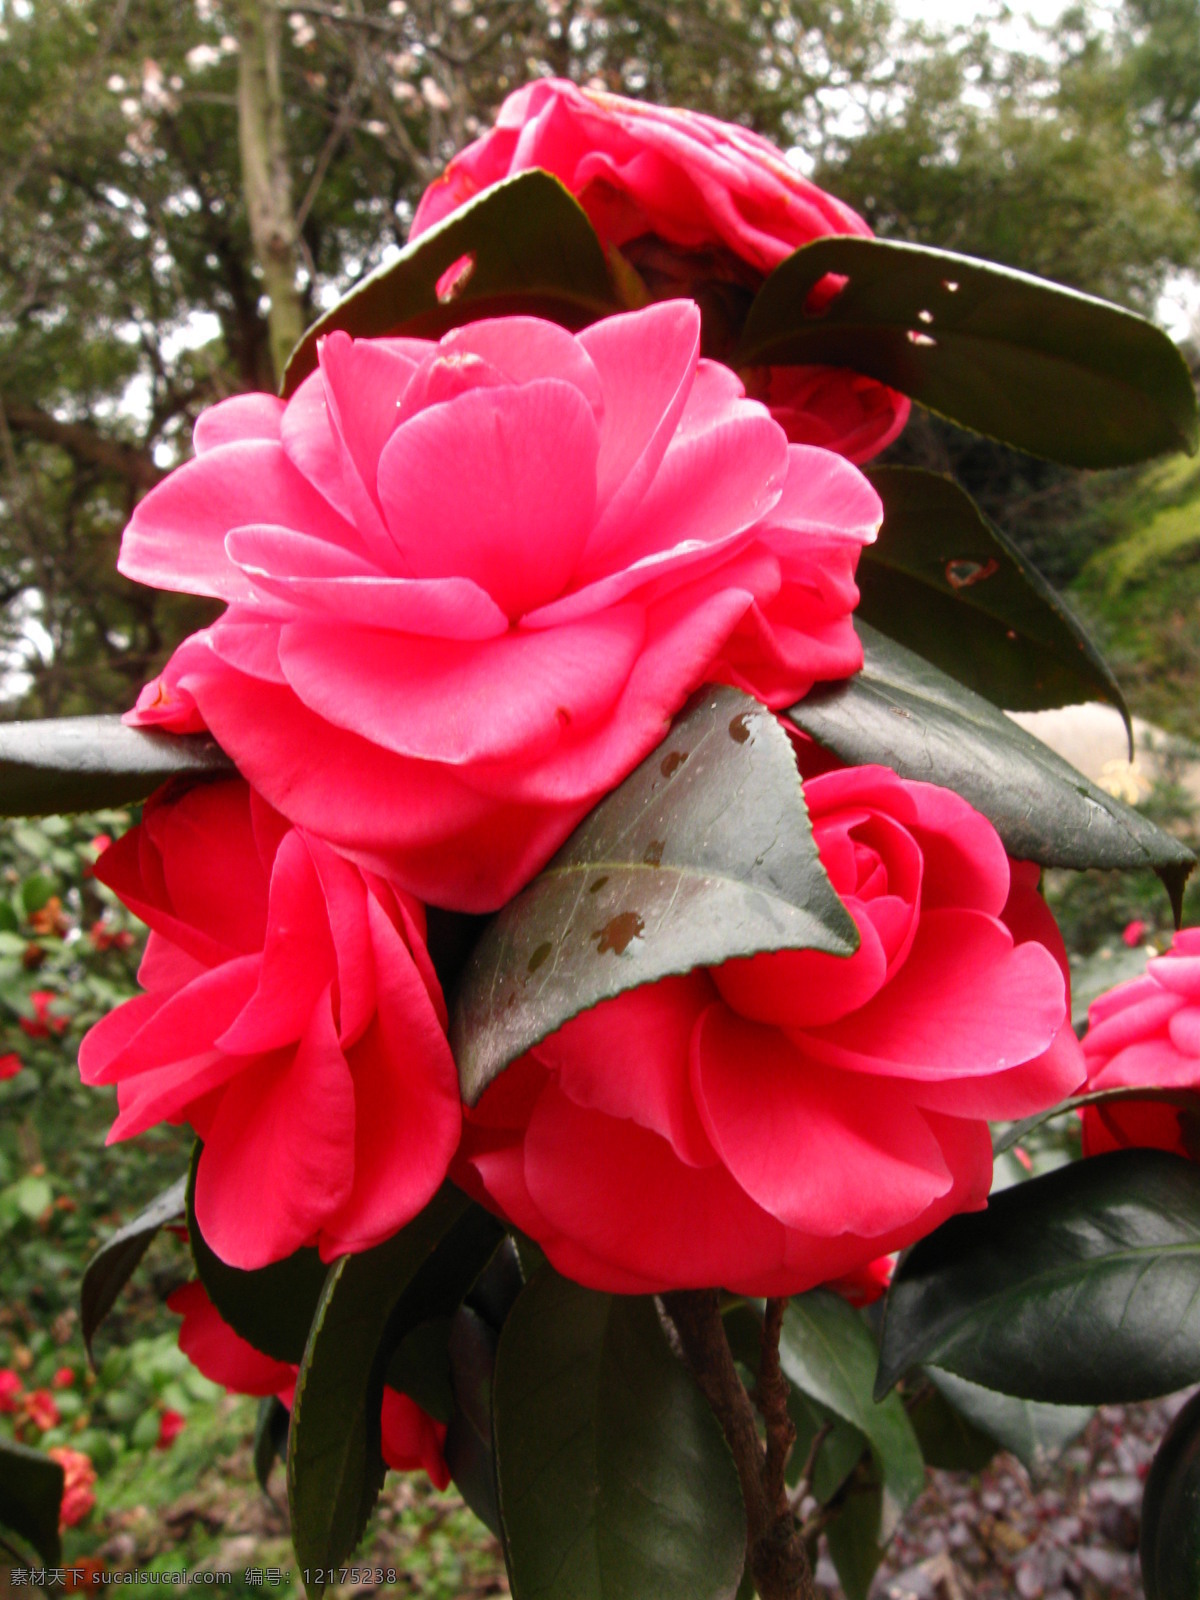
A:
x: 964, y: 1003
x: 661, y: 345
x: 498, y: 486
x: 462, y: 703
x: 277, y: 1157
x: 223, y: 1356
x: 176, y: 536
x: 311, y: 576
x: 407, y: 1109
x: 243, y: 416
x: 649, y: 1085
x: 806, y: 1143
x: 298, y: 960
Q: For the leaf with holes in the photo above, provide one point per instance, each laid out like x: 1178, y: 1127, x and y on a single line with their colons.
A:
x: 827, y: 1352
x: 112, y: 1266
x: 902, y: 711
x: 369, y: 1304
x: 1170, y: 1540
x: 522, y: 246
x: 945, y: 582
x: 1041, y: 367
x: 90, y: 763
x: 1080, y: 1288
x: 31, y: 1491
x: 704, y: 852
x: 615, y: 1478
x: 271, y: 1308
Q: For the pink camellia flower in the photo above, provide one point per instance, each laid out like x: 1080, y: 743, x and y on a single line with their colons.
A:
x: 696, y: 205
x: 1134, y: 932
x: 10, y: 1065
x: 789, y: 1118
x: 1146, y: 1034
x: 78, y: 1477
x: 292, y: 1016
x: 11, y: 1390
x: 64, y: 1378
x: 471, y: 582
x: 411, y: 1439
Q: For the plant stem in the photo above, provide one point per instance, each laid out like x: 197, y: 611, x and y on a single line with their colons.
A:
x: 775, y: 1551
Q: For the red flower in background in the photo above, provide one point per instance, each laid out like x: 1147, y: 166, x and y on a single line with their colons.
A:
x: 39, y: 1408
x: 10, y: 1065
x: 44, y: 1022
x: 11, y: 1390
x: 79, y: 1475
x: 291, y: 1015
x: 787, y: 1119
x: 653, y: 176
x: 170, y: 1426
x: 411, y: 1439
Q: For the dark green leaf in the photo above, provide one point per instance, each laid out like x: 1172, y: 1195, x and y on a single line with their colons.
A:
x: 1039, y: 366
x: 948, y: 1440
x: 1170, y: 1542
x: 90, y: 763
x: 420, y: 1368
x: 112, y: 1266
x: 905, y: 713
x: 1081, y: 1287
x: 31, y: 1491
x: 1185, y: 1099
x: 615, y: 1478
x: 1034, y: 1432
x: 827, y: 1351
x: 270, y: 1437
x: 369, y: 1304
x: 469, y: 1447
x: 854, y: 1537
x: 703, y: 853
x: 529, y: 247
x: 944, y: 581
x: 271, y: 1308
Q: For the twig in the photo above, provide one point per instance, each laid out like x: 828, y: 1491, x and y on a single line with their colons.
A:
x: 775, y: 1552
x: 772, y: 1399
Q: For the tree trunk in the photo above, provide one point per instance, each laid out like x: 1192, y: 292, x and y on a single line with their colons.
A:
x: 266, y: 177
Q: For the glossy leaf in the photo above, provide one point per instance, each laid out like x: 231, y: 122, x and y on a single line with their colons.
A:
x: 420, y: 1368
x: 944, y: 581
x: 114, y: 1263
x: 703, y: 853
x: 369, y: 1304
x: 615, y: 1478
x: 525, y: 245
x: 272, y: 1308
x: 854, y: 1537
x: 827, y: 1351
x: 1036, y: 1433
x: 1081, y: 1287
x: 1185, y: 1099
x: 90, y: 763
x: 1041, y: 367
x: 902, y: 711
x: 1170, y: 1541
x: 948, y: 1440
x: 31, y: 1491
x: 469, y: 1447
x: 270, y: 1437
